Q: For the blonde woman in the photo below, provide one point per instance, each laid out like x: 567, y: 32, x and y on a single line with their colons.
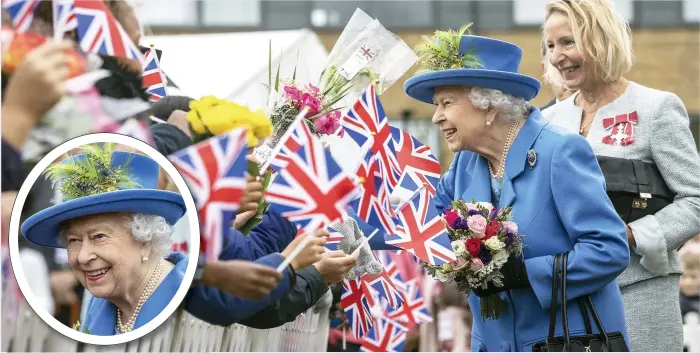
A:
x: 589, y: 49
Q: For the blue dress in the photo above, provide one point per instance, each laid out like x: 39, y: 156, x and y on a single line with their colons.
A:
x: 559, y: 203
x: 101, y: 316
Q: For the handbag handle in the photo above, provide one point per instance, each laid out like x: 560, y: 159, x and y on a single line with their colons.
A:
x: 584, y: 302
x: 555, y: 297
x: 640, y: 174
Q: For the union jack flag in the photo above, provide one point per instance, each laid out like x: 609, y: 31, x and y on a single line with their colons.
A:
x: 153, y: 79
x: 384, y: 285
x: 100, y: 33
x: 373, y: 205
x: 214, y: 171
x: 333, y: 241
x: 64, y: 17
x: 415, y: 160
x: 421, y: 231
x: 414, y: 310
x: 366, y: 123
x: 311, y: 190
x: 356, y: 307
x: 180, y: 247
x: 385, y: 336
x: 21, y: 12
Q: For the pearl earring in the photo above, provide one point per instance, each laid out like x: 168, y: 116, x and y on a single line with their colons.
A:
x: 488, y: 123
x: 144, y: 259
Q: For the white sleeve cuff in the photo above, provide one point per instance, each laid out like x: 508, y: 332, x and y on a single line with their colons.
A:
x: 651, y: 244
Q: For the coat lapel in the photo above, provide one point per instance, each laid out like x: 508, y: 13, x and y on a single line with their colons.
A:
x: 516, y: 160
x: 479, y: 188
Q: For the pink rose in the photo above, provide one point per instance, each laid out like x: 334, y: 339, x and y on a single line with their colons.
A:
x: 510, y: 227
x: 477, y: 223
x: 476, y: 264
x: 459, y: 264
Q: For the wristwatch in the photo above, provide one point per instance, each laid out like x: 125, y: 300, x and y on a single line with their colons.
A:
x: 201, y: 261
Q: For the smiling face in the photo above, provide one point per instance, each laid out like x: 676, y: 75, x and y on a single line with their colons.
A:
x: 564, y: 55
x: 459, y: 120
x: 103, y: 254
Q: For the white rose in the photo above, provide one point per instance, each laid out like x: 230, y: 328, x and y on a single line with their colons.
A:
x: 458, y: 247
x: 442, y: 277
x: 487, y: 206
x: 500, y: 258
x: 494, y: 244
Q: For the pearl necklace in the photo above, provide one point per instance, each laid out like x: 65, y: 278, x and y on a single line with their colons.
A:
x: 509, y: 140
x: 150, y: 287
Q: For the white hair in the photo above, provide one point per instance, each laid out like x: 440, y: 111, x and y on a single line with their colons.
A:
x: 147, y: 227
x: 510, y: 106
x: 144, y: 228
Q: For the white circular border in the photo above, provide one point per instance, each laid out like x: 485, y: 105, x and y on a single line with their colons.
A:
x: 193, y: 245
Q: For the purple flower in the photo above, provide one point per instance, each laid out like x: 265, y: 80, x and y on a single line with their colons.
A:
x: 509, y: 239
x: 460, y: 223
x: 485, y: 256
x: 492, y: 214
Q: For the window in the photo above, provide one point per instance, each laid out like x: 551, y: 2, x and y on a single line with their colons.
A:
x: 658, y: 13
x: 402, y: 14
x: 691, y: 11
x: 453, y: 14
x: 228, y: 13
x: 494, y: 15
x: 167, y: 12
x: 531, y: 12
x: 281, y: 15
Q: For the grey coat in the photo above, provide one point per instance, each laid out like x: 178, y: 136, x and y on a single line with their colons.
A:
x: 661, y: 136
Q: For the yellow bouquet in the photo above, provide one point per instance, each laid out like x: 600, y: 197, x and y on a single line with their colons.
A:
x: 211, y: 116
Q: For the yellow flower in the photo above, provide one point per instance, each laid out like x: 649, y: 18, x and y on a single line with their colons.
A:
x: 215, y: 116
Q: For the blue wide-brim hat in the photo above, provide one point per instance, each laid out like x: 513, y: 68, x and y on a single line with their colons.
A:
x: 499, y: 70
x: 43, y: 227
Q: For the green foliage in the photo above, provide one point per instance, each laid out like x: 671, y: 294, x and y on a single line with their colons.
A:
x: 441, y: 51
x: 91, y: 175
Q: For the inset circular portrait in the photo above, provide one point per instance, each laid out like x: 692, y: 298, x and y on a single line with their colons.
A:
x: 117, y: 228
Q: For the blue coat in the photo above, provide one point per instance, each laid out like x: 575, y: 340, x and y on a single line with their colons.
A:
x: 101, y: 315
x: 262, y: 246
x: 559, y: 205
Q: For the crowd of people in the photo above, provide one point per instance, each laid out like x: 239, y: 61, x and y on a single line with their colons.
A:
x: 632, y: 256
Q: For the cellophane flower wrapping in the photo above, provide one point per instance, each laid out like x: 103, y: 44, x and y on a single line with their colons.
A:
x: 365, y: 52
x: 483, y: 238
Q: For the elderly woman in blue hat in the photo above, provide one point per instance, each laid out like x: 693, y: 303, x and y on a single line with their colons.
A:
x: 116, y: 227
x: 506, y: 154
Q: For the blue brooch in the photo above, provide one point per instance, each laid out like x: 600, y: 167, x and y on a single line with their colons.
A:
x: 531, y: 158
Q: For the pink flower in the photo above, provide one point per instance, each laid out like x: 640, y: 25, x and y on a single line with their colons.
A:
x: 477, y: 223
x: 326, y: 125
x: 510, y: 227
x: 476, y: 265
x: 313, y: 89
x: 292, y: 92
x: 459, y: 264
x: 312, y: 102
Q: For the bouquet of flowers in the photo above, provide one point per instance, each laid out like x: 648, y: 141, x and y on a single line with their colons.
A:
x: 210, y: 116
x: 483, y: 239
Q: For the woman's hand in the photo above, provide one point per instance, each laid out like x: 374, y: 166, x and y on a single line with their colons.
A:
x: 312, y: 252
x: 33, y: 89
x: 334, y: 265
x: 252, y: 194
x: 244, y: 279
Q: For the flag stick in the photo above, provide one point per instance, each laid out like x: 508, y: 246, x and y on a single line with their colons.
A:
x: 408, y: 200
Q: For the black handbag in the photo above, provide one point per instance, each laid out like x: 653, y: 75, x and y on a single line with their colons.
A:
x: 636, y: 188
x: 590, y: 342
